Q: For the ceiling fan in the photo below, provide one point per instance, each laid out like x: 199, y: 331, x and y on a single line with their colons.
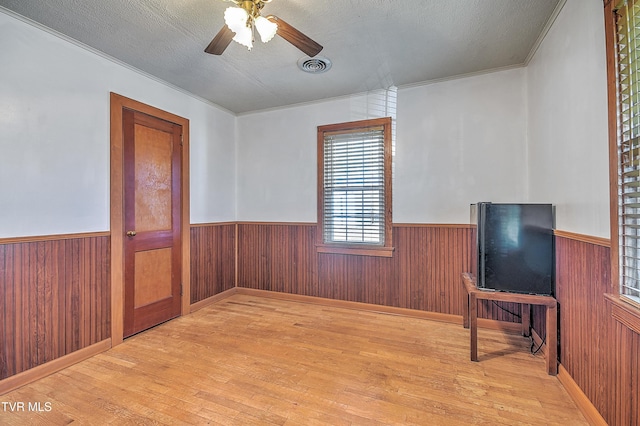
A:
x: 242, y: 21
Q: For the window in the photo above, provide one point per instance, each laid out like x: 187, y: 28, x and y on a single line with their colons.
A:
x: 354, y: 187
x: 625, y: 166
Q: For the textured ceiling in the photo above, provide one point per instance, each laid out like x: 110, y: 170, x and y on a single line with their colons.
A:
x: 372, y: 44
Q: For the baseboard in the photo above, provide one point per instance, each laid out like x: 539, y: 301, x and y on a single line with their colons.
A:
x: 213, y: 299
x: 584, y: 404
x: 36, y: 373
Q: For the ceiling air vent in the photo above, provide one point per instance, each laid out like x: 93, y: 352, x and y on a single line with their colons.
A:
x: 315, y: 65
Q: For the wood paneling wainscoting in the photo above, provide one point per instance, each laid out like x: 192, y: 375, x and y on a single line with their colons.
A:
x: 278, y: 257
x: 424, y: 272
x: 582, y: 279
x: 599, y: 353
x: 213, y: 260
x: 54, y: 298
x: 625, y: 362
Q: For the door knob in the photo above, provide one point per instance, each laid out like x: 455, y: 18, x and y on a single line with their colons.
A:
x: 131, y: 233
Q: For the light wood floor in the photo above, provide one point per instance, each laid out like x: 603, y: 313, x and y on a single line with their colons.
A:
x: 250, y: 360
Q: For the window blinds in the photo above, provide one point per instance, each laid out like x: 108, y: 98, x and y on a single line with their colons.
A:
x: 628, y: 53
x: 354, y: 187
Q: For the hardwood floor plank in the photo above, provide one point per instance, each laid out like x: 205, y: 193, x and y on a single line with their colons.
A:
x: 248, y: 360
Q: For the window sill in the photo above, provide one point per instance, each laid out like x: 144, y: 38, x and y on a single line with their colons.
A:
x: 624, y: 312
x: 356, y: 251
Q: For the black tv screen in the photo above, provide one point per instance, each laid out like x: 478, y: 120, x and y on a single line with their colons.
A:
x: 513, y: 247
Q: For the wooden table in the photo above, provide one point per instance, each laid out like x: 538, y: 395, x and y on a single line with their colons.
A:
x: 470, y: 316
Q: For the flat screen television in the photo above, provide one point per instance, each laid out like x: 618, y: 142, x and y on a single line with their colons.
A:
x: 512, y: 247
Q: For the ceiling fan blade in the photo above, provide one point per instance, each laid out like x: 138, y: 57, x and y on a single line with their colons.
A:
x: 295, y: 37
x: 220, y: 41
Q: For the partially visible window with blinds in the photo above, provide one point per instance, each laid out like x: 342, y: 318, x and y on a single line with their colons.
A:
x: 628, y: 100
x: 354, y: 184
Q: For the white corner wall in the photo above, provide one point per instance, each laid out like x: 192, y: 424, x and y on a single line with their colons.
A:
x: 460, y: 142
x: 567, y: 130
x: 54, y: 135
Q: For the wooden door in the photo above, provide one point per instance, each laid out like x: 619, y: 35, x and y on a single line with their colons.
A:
x: 152, y: 245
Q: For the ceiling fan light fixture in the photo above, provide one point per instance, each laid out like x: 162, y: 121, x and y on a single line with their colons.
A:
x: 236, y: 18
x: 266, y: 28
x: 242, y: 22
x: 244, y: 37
x: 239, y: 21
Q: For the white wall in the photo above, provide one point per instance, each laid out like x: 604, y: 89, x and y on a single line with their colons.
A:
x: 54, y: 136
x: 460, y: 142
x: 567, y: 96
x: 457, y: 142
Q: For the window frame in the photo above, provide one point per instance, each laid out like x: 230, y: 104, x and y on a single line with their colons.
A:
x: 362, y: 249
x: 611, y: 36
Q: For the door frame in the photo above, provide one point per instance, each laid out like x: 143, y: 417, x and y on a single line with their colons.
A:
x: 118, y: 103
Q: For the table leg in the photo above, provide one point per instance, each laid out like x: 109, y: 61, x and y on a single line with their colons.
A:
x: 552, y: 339
x: 473, y: 321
